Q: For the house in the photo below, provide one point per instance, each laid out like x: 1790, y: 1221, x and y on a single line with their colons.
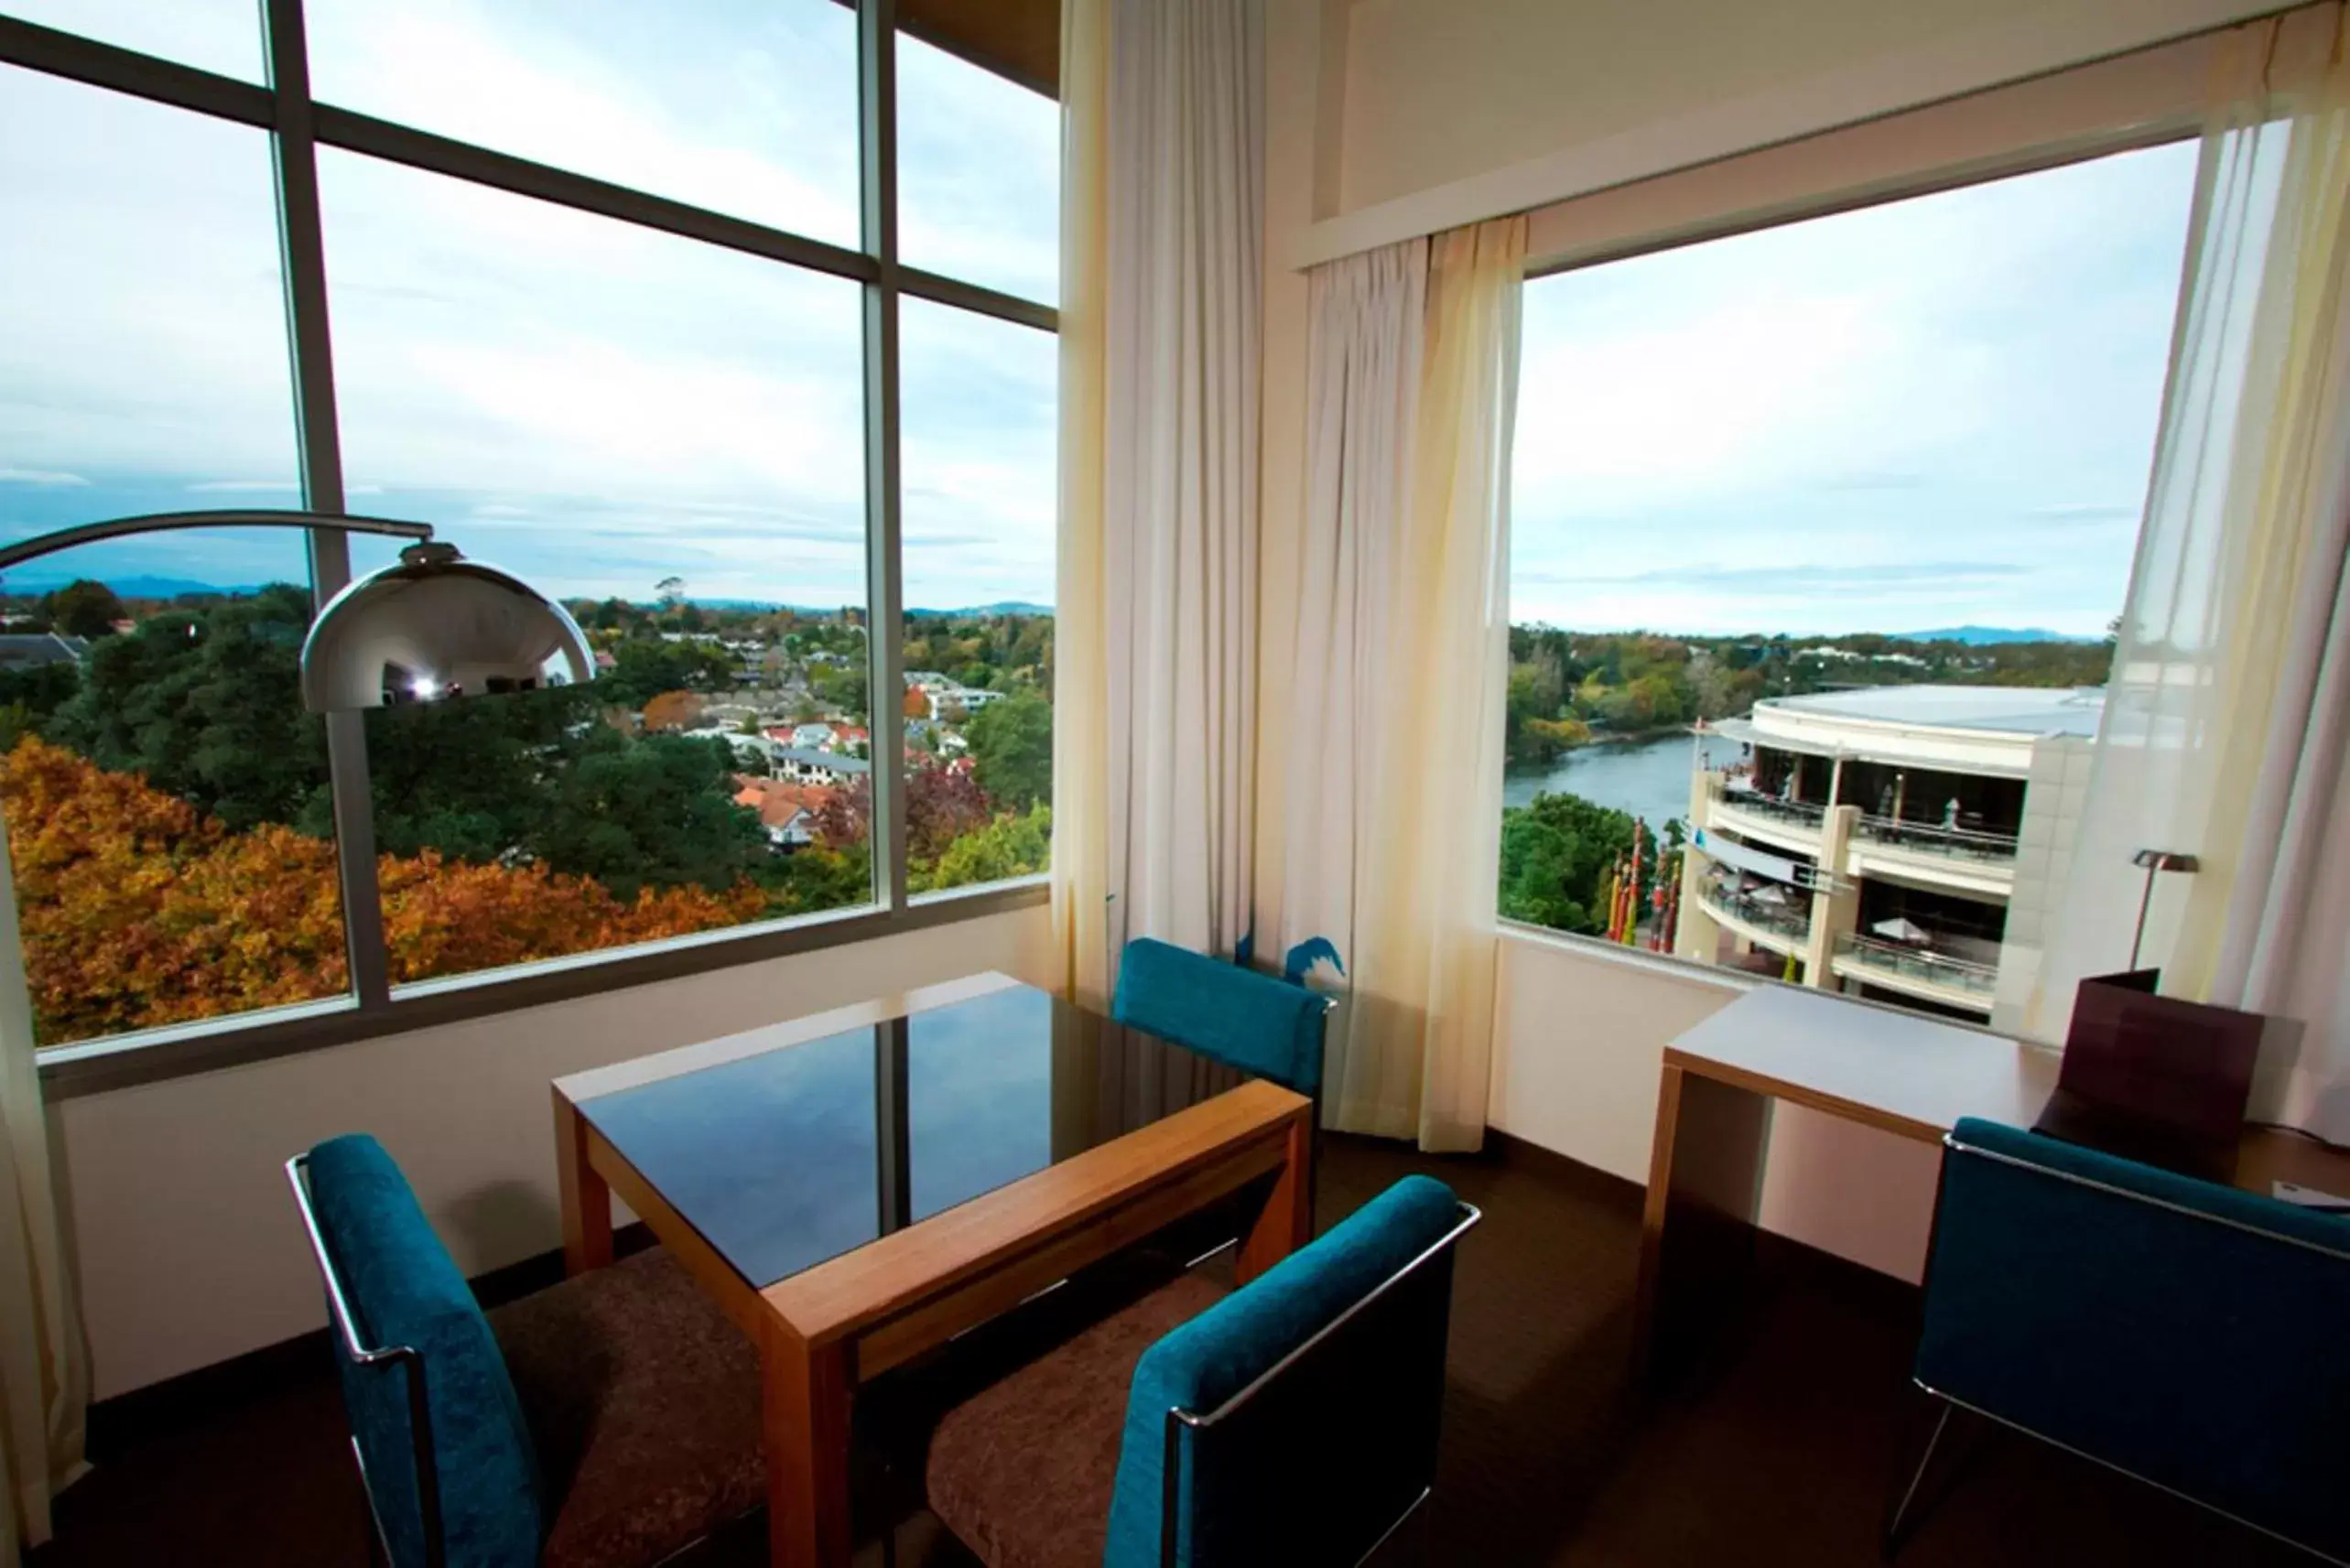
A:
x: 30, y: 650
x: 806, y: 766
x: 787, y: 811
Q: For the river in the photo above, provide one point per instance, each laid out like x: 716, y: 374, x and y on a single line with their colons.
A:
x: 1648, y: 778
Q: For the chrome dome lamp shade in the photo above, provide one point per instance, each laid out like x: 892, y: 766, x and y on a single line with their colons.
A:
x: 434, y: 627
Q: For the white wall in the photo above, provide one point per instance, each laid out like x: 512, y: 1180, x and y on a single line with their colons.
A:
x: 1582, y: 1038
x: 1450, y: 111
x: 188, y: 1246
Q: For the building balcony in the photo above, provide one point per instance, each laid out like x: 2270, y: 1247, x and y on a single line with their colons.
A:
x: 1782, y: 927
x: 1753, y: 816
x: 1917, y: 971
x: 1932, y: 839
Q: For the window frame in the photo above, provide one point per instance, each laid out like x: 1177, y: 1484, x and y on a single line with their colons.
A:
x: 297, y: 125
x: 2145, y: 98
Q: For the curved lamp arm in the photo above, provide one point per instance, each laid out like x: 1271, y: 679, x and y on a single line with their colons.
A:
x: 432, y: 627
x: 157, y: 522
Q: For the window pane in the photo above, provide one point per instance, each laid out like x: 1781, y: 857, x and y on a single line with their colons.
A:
x: 1857, y: 497
x: 166, y: 795
x: 747, y: 107
x: 979, y: 396
x: 667, y: 436
x: 223, y: 35
x: 979, y: 175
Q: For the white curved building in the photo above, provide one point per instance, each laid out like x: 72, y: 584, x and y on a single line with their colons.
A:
x: 1898, y: 842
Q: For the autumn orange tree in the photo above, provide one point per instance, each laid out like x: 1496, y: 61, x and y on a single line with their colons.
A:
x: 136, y: 909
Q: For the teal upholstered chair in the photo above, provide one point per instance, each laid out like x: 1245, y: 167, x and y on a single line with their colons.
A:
x: 1291, y: 1422
x: 1233, y: 1015
x: 612, y: 1419
x: 2186, y: 1333
x: 1270, y: 1027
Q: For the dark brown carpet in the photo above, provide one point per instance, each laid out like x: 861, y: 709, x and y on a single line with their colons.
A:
x: 1779, y: 1454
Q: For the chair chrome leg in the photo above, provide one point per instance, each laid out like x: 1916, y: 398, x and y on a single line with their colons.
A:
x: 1892, y: 1543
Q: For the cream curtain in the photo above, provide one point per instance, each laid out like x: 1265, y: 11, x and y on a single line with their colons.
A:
x: 44, y: 1366
x: 1155, y: 645
x: 2222, y: 732
x: 2275, y: 941
x: 1394, y: 801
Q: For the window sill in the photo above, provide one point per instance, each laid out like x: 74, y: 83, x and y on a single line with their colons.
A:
x: 1688, y: 971
x: 155, y: 1056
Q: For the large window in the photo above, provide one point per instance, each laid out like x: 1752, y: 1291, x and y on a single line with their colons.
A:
x: 620, y: 322
x: 1820, y: 535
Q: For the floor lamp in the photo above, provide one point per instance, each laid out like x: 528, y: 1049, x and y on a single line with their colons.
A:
x: 432, y: 627
x: 2154, y: 863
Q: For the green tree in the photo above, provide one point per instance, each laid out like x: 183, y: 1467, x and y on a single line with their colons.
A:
x: 1010, y: 846
x: 1011, y: 747
x: 644, y: 667
x: 659, y: 811
x: 1555, y: 853
x: 83, y: 609
x: 208, y: 704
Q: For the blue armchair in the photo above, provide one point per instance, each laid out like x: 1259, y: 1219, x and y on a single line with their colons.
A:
x: 2182, y: 1332
x: 1270, y: 1027
x: 1293, y: 1421
x: 612, y: 1419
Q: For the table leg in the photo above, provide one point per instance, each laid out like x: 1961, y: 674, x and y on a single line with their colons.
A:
x: 1285, y: 1223
x: 586, y: 1201
x: 807, y: 1416
x: 1704, y: 1183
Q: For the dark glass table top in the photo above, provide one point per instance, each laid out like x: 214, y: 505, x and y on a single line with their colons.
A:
x: 786, y: 1156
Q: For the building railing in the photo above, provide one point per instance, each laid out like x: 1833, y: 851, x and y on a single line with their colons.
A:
x: 1913, y: 963
x: 1794, y: 813
x: 1780, y: 919
x: 1932, y: 839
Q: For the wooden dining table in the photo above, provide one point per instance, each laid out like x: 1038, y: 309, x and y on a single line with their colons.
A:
x: 856, y: 1187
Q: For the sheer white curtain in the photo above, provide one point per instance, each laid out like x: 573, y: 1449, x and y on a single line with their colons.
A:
x: 1401, y: 655
x: 1155, y: 645
x: 2224, y: 720
x: 44, y: 1366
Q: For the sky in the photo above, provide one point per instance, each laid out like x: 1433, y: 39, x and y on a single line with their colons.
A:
x: 1931, y: 413
x: 593, y: 406
x: 1923, y: 414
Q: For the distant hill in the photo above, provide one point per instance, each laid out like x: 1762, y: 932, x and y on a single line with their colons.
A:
x: 1001, y: 606
x: 35, y: 580
x: 1980, y: 636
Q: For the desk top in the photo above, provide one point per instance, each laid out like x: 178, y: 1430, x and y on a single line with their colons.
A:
x: 1902, y: 1072
x: 789, y: 1146
x: 1916, y: 1076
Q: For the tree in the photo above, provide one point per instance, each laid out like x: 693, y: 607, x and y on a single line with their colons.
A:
x: 1555, y: 853
x: 1012, y: 748
x: 83, y: 609
x: 656, y: 811
x: 644, y: 667
x: 670, y: 592
x: 1007, y: 846
x: 207, y: 705
x: 136, y: 909
x: 673, y: 710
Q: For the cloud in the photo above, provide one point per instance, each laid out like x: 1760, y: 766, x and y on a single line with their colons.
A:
x: 587, y: 399
x: 47, y: 479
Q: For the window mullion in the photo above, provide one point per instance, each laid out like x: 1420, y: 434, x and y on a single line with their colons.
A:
x: 885, y: 655
x: 294, y: 150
